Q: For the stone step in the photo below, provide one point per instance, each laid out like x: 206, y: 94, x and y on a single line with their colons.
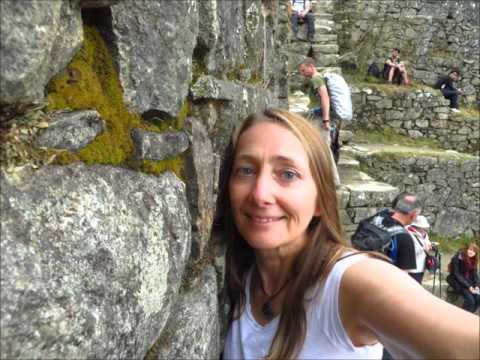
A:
x: 347, y: 163
x: 322, y: 15
x: 324, y: 22
x: 325, y: 60
x: 325, y: 29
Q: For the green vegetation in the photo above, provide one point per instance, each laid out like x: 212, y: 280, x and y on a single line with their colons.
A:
x: 392, y: 154
x: 91, y: 81
x: 470, y: 113
x: 389, y: 136
x: 451, y: 245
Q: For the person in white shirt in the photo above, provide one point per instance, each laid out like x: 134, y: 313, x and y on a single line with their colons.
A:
x: 419, y: 232
x: 295, y: 289
x: 301, y: 11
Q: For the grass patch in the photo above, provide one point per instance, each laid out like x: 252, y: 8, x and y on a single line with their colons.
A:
x: 470, y: 113
x: 380, y: 84
x: 451, y: 245
x: 392, y: 154
x: 389, y: 136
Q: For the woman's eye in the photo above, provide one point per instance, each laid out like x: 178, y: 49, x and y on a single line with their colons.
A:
x: 244, y: 171
x: 288, y: 175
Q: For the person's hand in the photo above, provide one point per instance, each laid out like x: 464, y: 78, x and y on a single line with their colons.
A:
x: 473, y: 290
x: 427, y: 246
x: 326, y: 124
x: 460, y: 92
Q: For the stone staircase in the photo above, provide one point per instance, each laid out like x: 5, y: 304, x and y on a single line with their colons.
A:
x: 359, y: 194
x: 324, y: 48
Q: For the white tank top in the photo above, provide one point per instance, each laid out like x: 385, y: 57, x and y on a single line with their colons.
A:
x: 325, y: 337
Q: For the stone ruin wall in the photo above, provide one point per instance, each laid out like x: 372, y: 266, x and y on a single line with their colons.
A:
x: 447, y: 185
x: 111, y: 257
x: 433, y: 36
x: 420, y: 114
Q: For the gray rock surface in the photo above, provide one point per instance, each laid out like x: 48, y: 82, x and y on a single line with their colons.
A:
x: 200, y: 168
x: 194, y: 328
x: 158, y: 146
x: 85, y: 4
x: 91, y: 261
x: 71, y: 130
x: 37, y: 40
x: 208, y: 87
x: 155, y: 42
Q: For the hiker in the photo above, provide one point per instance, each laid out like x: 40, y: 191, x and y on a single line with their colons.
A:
x: 463, y: 276
x: 418, y: 229
x: 320, y: 105
x: 394, y: 70
x: 295, y: 290
x: 301, y: 10
x: 446, y: 86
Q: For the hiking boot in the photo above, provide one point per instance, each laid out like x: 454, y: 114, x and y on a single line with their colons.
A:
x: 455, y: 110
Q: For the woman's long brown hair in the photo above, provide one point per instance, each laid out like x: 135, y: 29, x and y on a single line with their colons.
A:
x: 324, y: 245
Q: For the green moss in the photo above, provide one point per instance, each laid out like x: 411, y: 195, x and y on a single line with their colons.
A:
x: 175, y: 164
x: 91, y: 82
x: 389, y: 136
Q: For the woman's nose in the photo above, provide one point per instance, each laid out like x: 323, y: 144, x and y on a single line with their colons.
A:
x: 263, y: 189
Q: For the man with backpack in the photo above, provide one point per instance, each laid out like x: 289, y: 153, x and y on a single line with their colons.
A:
x: 324, y: 88
x: 385, y: 232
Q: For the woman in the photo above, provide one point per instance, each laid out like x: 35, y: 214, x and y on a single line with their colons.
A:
x: 294, y: 291
x: 463, y: 276
x: 418, y: 230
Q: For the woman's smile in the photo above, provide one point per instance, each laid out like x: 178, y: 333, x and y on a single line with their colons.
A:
x: 272, y: 191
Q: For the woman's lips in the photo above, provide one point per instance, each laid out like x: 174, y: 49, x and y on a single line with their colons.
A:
x: 263, y: 219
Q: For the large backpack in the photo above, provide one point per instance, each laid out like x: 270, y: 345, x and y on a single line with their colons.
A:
x: 340, y: 96
x: 371, y: 235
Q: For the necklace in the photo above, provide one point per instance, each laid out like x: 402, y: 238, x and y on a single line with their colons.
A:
x: 267, y: 310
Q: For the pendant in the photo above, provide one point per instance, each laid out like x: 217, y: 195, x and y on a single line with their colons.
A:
x: 267, y: 311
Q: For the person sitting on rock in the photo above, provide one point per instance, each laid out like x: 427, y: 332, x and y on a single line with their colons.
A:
x: 301, y: 10
x: 445, y: 84
x: 394, y: 70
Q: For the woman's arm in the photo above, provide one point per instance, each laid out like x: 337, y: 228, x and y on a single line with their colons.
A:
x: 380, y: 302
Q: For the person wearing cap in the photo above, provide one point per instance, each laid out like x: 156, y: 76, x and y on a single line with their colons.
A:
x: 419, y: 232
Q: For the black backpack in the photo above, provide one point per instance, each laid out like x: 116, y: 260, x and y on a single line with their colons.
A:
x: 372, y: 235
x: 373, y: 70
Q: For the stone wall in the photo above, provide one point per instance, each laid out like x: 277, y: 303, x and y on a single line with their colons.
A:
x: 114, y: 115
x: 447, y: 184
x: 417, y: 114
x: 432, y: 36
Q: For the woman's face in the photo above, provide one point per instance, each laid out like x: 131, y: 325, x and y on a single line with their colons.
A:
x: 272, y: 192
x: 470, y: 252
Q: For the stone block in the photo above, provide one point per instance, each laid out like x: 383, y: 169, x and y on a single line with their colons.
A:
x: 195, y: 318
x: 38, y: 40
x: 70, y: 130
x: 423, y: 124
x: 155, y: 57
x: 158, y: 146
x: 92, y: 260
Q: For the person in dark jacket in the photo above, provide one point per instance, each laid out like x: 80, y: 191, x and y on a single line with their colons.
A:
x: 446, y: 86
x: 463, y: 276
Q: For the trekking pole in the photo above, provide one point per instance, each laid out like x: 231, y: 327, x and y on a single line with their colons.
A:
x: 434, y: 276
x: 440, y: 269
